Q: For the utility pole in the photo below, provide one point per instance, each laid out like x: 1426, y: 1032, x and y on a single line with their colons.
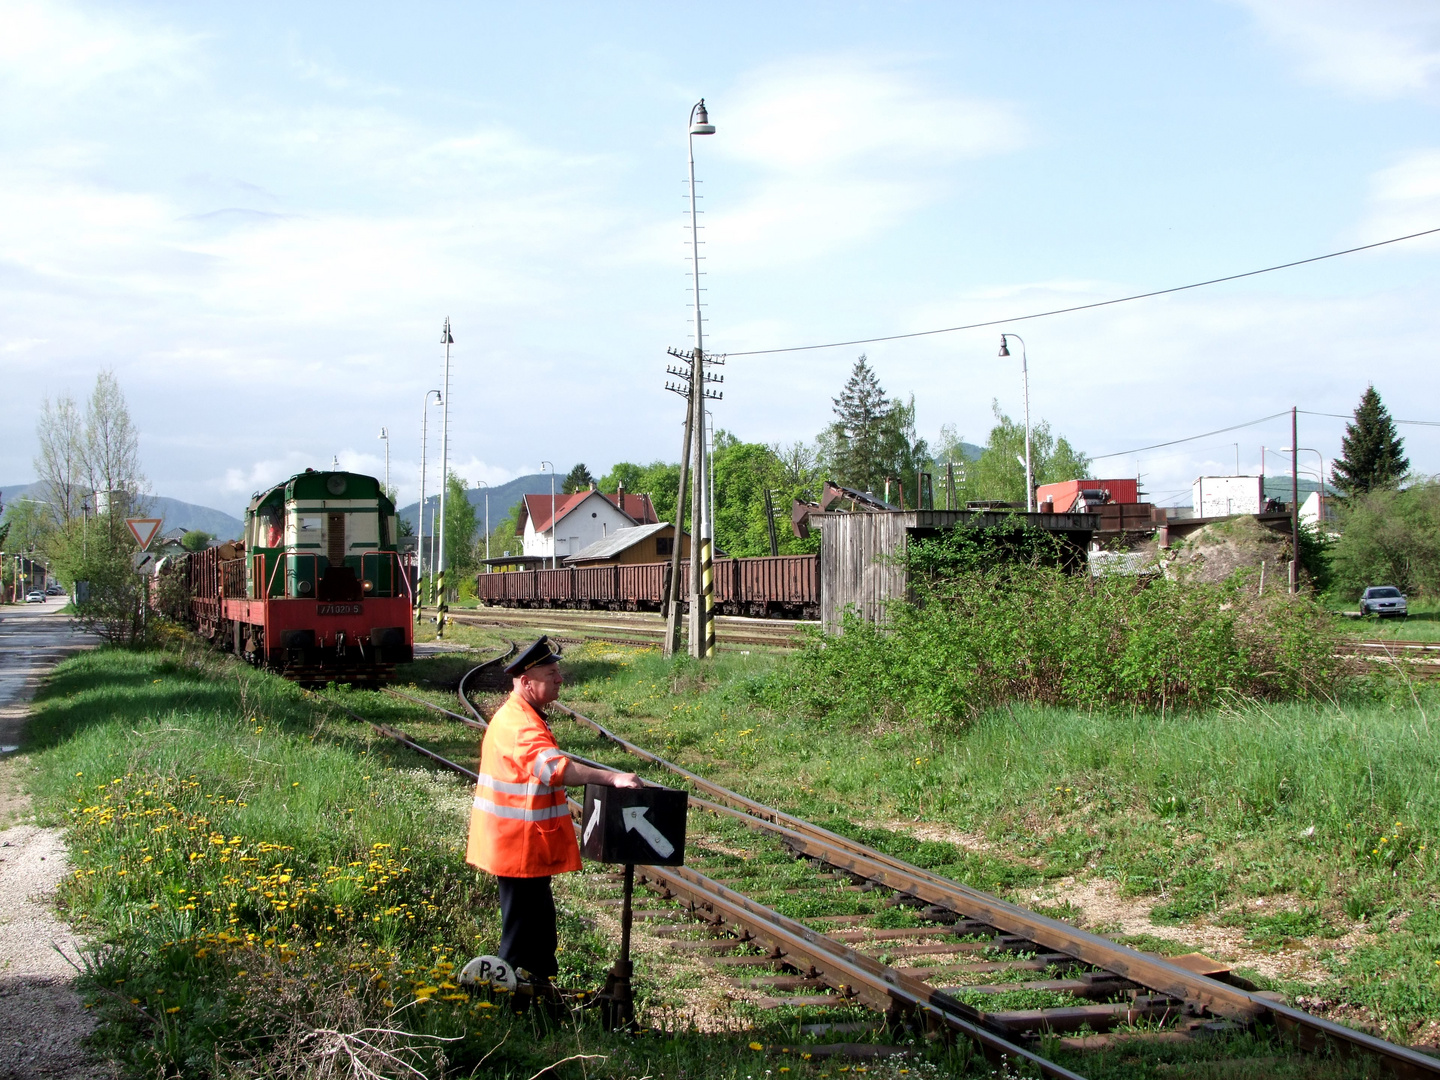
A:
x: 1294, y: 501
x: 420, y: 539
x: 702, y: 614
x: 442, y: 606
x: 672, y: 583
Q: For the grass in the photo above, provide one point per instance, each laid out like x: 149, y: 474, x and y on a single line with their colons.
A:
x: 271, y: 890
x: 1328, y: 808
x: 1422, y: 624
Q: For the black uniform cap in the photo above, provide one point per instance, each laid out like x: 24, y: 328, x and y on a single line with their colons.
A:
x: 533, y: 656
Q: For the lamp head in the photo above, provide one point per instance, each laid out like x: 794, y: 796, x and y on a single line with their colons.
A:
x: 1004, y: 348
x: 700, y: 120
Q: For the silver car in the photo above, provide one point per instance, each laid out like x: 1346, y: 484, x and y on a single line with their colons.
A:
x: 1383, y: 600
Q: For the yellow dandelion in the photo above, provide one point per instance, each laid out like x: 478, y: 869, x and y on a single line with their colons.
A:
x: 173, y: 1009
x: 756, y: 1046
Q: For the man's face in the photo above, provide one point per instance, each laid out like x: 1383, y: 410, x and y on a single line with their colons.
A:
x: 541, y: 685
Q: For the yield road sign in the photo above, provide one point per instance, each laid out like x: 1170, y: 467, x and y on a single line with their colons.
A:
x: 144, y: 529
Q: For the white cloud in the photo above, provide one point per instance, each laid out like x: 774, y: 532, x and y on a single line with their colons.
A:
x: 57, y: 49
x: 1371, y: 48
x: 843, y: 149
x: 1405, y: 198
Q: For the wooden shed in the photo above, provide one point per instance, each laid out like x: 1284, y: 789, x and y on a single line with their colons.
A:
x: 641, y: 544
x: 862, y: 554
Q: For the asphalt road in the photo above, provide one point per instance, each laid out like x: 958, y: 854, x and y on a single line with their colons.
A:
x: 33, y: 639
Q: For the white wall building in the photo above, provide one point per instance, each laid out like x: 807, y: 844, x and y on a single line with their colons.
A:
x: 579, y: 520
x: 1222, y: 496
x: 1318, y: 510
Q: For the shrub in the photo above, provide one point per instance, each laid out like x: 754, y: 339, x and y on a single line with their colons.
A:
x: 975, y: 636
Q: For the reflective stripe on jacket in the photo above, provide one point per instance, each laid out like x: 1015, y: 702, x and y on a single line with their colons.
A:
x: 520, y: 825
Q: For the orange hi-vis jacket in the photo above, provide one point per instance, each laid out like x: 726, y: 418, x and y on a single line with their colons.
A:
x: 520, y: 826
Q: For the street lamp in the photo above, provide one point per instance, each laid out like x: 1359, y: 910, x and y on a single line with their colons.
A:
x: 420, y: 542
x: 699, y: 551
x: 486, y: 486
x: 385, y: 434
x: 552, y: 511
x: 1025, y: 375
x: 447, y: 339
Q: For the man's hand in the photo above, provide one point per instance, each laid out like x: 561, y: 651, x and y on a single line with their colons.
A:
x: 626, y: 780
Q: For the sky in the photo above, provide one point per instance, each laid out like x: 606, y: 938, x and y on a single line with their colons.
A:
x: 260, y: 215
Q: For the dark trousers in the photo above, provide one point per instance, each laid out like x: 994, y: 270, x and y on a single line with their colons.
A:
x: 527, y: 925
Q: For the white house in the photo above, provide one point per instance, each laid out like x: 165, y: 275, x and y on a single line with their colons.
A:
x: 574, y: 522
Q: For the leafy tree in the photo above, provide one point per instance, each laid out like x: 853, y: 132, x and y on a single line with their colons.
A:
x: 577, y: 479
x: 660, y: 480
x: 1372, y: 454
x: 743, y: 472
x: 999, y: 473
x: 112, y: 454
x: 460, y: 524
x: 196, y: 540
x: 873, y: 437
x: 1390, y: 537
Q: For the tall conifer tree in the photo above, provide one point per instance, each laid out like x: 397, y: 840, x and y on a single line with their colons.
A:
x: 1372, y: 454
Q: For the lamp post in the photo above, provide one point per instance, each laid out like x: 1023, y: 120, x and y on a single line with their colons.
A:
x: 486, y: 486
x: 439, y: 569
x: 385, y: 434
x: 702, y: 618
x: 420, y: 539
x: 1025, y: 376
x: 543, y: 465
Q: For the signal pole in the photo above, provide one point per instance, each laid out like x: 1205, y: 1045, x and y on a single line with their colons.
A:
x: 442, y: 606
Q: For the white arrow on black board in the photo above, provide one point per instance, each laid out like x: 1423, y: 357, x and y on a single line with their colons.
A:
x: 635, y: 819
x: 594, y: 820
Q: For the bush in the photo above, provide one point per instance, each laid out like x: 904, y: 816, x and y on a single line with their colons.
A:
x: 976, y: 636
x: 1390, y: 537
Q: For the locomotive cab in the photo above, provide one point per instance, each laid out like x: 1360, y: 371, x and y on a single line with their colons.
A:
x: 322, y: 562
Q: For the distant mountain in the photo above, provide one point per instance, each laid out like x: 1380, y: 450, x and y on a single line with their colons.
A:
x: 177, y: 514
x: 503, y: 498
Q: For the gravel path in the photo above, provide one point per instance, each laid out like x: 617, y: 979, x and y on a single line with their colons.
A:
x: 42, y: 1020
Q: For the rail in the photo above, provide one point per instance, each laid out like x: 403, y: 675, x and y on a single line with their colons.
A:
x: 867, y: 980
x: 1149, y: 971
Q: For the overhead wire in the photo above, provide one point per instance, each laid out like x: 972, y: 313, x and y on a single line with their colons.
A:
x: 1088, y: 307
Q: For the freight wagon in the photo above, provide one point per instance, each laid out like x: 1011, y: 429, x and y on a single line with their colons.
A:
x: 774, y: 587
x: 315, y: 590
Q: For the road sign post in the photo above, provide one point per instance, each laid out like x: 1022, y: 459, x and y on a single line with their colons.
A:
x: 630, y: 825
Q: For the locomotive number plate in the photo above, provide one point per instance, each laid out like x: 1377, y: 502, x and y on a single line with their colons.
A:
x: 339, y: 609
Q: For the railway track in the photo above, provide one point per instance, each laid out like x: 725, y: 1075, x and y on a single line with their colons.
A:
x: 918, y: 948
x: 1420, y: 659
x: 633, y: 628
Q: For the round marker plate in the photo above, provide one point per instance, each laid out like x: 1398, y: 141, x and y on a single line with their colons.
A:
x: 488, y: 971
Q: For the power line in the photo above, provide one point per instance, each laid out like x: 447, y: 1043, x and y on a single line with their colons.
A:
x: 1190, y: 438
x: 1343, y: 416
x: 1088, y: 307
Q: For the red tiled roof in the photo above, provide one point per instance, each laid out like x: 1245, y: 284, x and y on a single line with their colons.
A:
x: 537, y: 508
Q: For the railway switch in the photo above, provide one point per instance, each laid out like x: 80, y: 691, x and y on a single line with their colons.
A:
x: 630, y: 825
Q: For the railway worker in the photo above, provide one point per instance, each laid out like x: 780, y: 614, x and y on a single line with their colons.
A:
x: 520, y: 828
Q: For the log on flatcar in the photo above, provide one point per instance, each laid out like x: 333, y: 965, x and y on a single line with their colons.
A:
x: 777, y: 587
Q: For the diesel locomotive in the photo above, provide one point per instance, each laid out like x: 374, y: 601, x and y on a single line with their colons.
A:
x: 315, y: 590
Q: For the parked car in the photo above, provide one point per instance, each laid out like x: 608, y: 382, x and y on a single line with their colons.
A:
x: 36, y: 597
x: 1382, y: 600
x: 54, y: 590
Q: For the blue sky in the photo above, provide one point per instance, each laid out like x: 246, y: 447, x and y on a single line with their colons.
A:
x: 259, y: 217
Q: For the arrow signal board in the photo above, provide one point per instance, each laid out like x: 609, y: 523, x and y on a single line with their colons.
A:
x: 144, y: 529
x: 644, y: 826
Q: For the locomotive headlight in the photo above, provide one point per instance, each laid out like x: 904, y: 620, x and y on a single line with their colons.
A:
x: 303, y: 587
x: 369, y: 585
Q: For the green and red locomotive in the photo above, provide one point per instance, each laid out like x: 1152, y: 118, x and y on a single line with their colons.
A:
x: 316, y: 589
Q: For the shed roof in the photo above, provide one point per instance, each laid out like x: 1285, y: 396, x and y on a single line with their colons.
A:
x: 618, y: 541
